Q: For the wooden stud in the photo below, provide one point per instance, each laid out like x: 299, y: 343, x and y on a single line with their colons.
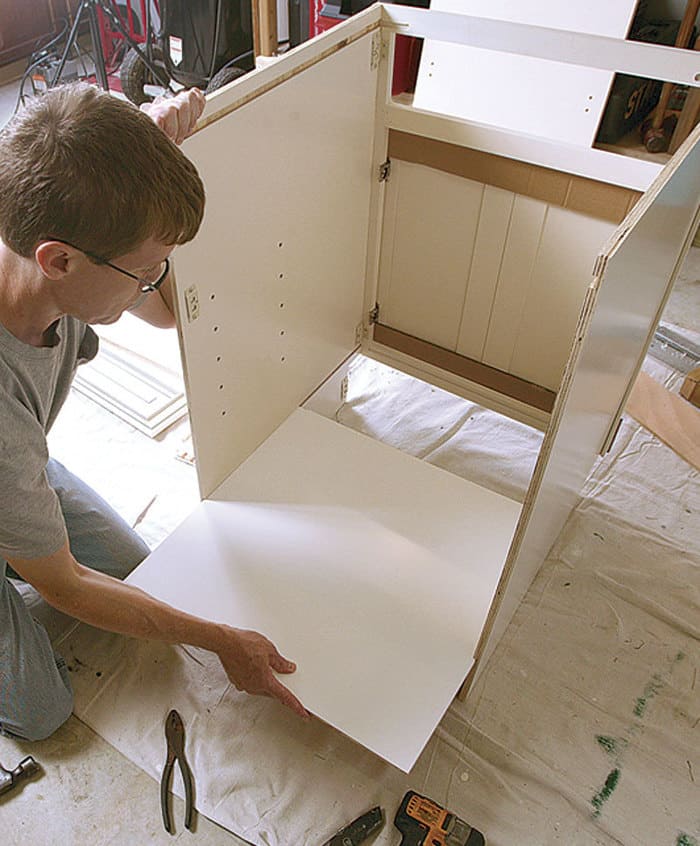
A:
x: 467, y: 368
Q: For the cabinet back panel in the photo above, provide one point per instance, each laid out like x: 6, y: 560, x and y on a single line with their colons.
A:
x: 485, y: 272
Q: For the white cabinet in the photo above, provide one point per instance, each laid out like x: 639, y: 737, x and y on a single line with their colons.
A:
x: 525, y: 274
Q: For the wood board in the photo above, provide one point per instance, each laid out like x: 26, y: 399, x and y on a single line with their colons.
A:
x: 364, y: 565
x: 668, y: 416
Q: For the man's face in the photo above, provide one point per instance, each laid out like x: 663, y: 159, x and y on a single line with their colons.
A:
x: 99, y: 293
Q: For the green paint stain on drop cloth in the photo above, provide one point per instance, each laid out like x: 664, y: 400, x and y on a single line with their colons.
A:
x: 606, y: 791
x: 608, y: 743
x: 686, y: 840
x: 650, y: 691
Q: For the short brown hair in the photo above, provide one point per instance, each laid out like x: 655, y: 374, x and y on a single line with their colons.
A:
x: 82, y: 166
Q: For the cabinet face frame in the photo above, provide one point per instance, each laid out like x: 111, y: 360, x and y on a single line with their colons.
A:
x: 562, y: 465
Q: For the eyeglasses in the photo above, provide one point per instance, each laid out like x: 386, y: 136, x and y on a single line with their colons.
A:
x: 145, y: 285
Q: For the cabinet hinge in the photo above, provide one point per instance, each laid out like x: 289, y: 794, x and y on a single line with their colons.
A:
x: 385, y: 171
x: 374, y: 314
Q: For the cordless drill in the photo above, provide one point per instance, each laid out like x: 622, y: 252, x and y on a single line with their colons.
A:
x: 422, y: 822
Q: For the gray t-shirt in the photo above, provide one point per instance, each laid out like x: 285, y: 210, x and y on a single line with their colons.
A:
x: 34, y: 383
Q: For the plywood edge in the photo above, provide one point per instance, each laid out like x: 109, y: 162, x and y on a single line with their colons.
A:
x: 241, y: 92
x: 650, y: 195
x: 467, y: 368
x: 577, y: 193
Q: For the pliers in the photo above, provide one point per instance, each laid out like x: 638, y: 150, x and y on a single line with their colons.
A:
x: 175, y: 737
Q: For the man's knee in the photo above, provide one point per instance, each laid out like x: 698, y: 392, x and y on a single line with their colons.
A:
x: 40, y: 720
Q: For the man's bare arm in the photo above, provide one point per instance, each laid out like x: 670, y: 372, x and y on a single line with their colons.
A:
x: 157, y: 308
x: 248, y: 658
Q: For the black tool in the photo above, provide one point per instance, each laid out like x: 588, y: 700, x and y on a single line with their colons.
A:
x: 423, y: 822
x: 26, y: 768
x: 358, y: 830
x: 175, y: 737
x: 91, y: 9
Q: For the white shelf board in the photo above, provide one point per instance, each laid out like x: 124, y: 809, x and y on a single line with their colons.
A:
x: 364, y: 565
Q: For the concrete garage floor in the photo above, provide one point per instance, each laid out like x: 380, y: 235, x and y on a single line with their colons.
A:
x: 88, y: 792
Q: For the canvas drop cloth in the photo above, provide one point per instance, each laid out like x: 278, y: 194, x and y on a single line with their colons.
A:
x: 583, y: 729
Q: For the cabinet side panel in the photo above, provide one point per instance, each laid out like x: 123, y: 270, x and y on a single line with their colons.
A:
x: 617, y: 323
x: 278, y: 266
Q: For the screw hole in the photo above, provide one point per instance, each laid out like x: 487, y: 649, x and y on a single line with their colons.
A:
x: 216, y: 329
x: 212, y: 297
x: 281, y: 305
x: 218, y: 358
x: 281, y: 276
x: 282, y: 332
x: 223, y: 414
x: 279, y: 243
x: 282, y: 359
x: 221, y: 387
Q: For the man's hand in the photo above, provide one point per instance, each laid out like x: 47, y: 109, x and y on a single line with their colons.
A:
x: 249, y: 659
x: 177, y: 116
x: 99, y: 600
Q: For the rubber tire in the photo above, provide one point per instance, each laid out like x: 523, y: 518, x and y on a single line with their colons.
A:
x: 134, y: 75
x: 223, y: 77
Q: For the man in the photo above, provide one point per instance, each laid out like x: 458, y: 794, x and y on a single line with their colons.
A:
x: 94, y: 197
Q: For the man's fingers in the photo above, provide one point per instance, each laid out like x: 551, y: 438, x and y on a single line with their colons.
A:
x: 168, y: 122
x: 277, y: 690
x: 280, y: 664
x: 177, y: 116
x: 198, y: 102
